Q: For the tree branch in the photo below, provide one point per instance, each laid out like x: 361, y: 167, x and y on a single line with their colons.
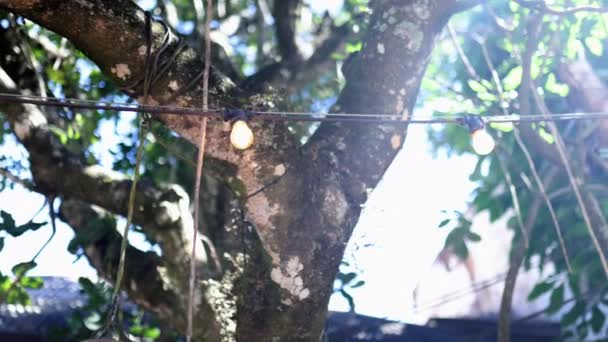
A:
x: 504, y: 315
x: 285, y: 13
x: 145, y: 272
x: 23, y: 182
x: 57, y: 171
x: 292, y: 76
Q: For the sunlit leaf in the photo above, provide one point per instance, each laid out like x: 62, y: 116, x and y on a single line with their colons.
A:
x: 502, y: 126
x: 513, y: 79
x: 556, y: 88
x: 594, y: 45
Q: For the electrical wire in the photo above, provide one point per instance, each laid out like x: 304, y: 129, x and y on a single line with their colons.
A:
x: 379, y: 118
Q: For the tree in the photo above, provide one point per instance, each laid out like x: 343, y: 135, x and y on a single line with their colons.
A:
x: 529, y: 58
x: 300, y: 199
x: 277, y: 217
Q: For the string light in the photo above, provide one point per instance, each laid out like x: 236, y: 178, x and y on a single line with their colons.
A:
x: 241, y: 136
x: 481, y: 141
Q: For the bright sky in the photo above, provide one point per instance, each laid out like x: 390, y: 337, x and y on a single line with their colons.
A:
x: 400, y: 222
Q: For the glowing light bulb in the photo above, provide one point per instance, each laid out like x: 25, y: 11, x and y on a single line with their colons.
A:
x: 482, y: 142
x: 241, y: 135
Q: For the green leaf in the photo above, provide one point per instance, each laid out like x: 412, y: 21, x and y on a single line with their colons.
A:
x: 7, y: 221
x: 556, y: 300
x: 567, y: 335
x: 21, y: 269
x: 18, y: 296
x: 513, y: 79
x: 556, y: 88
x: 474, y: 237
x: 337, y: 56
x: 539, y: 289
x: 444, y: 223
x: 353, y: 47
x: 597, y: 319
x: 502, y: 126
x: 575, y: 312
x: 28, y: 226
x: 31, y: 282
x: 137, y: 330
x: 546, y: 136
x: 582, y: 330
x: 461, y: 250
x: 476, y: 86
x: 358, y: 284
x: 346, y: 278
x: 151, y: 332
x: 8, y: 225
x: 594, y: 45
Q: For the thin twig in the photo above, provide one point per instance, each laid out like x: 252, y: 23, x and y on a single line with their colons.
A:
x: 199, y: 168
x: 23, y: 182
x: 561, y: 149
x: 50, y: 201
x: 463, y: 57
x: 522, y: 146
x: 543, y: 192
x: 515, y: 200
x: 567, y: 189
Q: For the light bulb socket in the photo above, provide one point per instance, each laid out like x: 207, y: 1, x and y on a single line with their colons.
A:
x: 234, y: 115
x: 472, y: 122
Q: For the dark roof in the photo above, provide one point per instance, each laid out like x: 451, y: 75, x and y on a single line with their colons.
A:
x: 342, y: 327
x: 59, y: 297
x: 51, y: 305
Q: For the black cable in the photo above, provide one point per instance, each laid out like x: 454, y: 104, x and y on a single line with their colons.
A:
x: 379, y: 118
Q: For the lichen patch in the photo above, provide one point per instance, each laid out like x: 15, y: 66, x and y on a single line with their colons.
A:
x: 142, y: 50
x: 121, y: 70
x: 279, y: 170
x: 396, y: 141
x: 411, y: 33
x: 288, y: 278
x: 173, y: 85
x: 335, y: 206
x: 23, y: 128
x: 422, y: 8
x: 380, y: 48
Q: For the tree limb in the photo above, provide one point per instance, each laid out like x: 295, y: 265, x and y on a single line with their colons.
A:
x: 292, y: 76
x: 145, y: 272
x: 519, y: 254
x: 285, y: 13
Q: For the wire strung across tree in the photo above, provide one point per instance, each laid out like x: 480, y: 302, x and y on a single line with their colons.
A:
x: 379, y: 118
